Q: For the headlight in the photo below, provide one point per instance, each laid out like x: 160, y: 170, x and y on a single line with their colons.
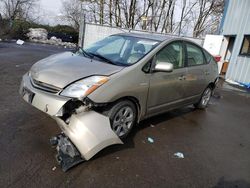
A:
x: 84, y: 87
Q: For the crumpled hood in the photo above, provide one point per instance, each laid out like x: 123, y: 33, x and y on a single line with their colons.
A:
x: 62, y: 69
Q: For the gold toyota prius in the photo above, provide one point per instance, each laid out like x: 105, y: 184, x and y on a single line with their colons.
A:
x: 97, y: 94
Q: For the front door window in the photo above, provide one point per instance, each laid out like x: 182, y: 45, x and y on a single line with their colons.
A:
x: 172, y: 53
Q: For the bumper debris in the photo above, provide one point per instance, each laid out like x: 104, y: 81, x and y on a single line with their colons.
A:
x: 67, y: 155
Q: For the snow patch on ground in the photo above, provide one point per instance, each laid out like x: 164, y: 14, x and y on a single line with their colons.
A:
x: 238, y: 83
x: 40, y: 35
x: 20, y: 42
x: 232, y: 82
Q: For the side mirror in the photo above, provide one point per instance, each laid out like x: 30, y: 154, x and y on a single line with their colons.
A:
x: 163, y: 67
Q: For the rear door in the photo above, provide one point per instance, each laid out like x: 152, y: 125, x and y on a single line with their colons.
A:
x: 196, y: 71
x: 211, y: 69
x: 167, y: 88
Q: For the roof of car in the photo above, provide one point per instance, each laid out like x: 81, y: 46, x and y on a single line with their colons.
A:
x: 151, y: 36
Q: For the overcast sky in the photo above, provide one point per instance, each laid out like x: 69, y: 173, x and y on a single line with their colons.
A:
x: 49, y: 11
x: 53, y: 5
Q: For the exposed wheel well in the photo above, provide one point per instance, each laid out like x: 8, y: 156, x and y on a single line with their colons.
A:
x: 211, y: 85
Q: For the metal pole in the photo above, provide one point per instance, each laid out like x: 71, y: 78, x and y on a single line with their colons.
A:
x: 82, y: 28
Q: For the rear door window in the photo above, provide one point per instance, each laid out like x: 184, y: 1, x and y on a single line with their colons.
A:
x: 194, y: 55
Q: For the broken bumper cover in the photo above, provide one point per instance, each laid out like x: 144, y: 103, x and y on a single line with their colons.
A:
x: 88, y: 130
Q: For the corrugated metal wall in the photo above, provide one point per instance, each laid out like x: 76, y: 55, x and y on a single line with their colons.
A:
x: 237, y: 22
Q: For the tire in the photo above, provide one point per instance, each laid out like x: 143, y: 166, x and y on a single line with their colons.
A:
x: 122, y: 117
x: 204, y: 100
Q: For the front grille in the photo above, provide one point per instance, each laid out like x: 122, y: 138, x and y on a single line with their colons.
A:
x: 43, y: 86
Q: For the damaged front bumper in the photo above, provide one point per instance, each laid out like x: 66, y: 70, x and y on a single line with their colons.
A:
x: 88, y: 130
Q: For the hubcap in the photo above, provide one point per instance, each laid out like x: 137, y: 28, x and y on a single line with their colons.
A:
x: 123, y: 121
x: 206, y: 96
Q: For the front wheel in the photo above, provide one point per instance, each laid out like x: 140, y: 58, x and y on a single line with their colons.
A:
x: 122, y: 117
x: 202, y: 104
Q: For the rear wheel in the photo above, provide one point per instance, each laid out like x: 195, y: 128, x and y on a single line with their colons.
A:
x: 122, y: 117
x: 202, y: 104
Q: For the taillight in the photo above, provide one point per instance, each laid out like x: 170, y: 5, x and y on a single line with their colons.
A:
x: 217, y: 58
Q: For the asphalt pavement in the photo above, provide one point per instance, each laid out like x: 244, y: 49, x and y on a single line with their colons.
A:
x: 215, y: 142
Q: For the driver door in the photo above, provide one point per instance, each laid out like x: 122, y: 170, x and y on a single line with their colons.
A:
x: 166, y: 89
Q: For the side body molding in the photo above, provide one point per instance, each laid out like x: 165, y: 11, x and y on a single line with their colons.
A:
x: 90, y: 132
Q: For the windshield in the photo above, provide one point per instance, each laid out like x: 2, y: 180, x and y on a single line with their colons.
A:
x: 120, y: 50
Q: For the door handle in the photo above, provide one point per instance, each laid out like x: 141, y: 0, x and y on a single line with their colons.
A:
x: 182, y: 77
x: 207, y: 72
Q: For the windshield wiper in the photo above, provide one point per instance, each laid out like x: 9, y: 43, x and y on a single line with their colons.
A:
x: 86, y: 54
x: 102, y: 57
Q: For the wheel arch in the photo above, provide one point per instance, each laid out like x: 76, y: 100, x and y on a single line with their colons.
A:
x: 135, y: 101
x: 212, y: 84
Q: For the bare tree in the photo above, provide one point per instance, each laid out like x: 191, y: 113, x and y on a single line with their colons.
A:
x: 18, y: 9
x: 168, y: 16
x: 203, y: 17
x: 186, y: 7
x: 71, y: 10
x: 101, y: 14
x: 184, y: 4
x: 110, y: 12
x: 117, y: 13
x: 162, y: 7
x: 142, y: 17
x: 128, y: 12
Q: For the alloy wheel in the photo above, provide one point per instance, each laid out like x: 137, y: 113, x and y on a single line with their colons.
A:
x: 123, y: 121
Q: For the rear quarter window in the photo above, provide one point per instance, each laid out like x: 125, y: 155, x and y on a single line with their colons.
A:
x: 194, y: 55
x: 209, y: 58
